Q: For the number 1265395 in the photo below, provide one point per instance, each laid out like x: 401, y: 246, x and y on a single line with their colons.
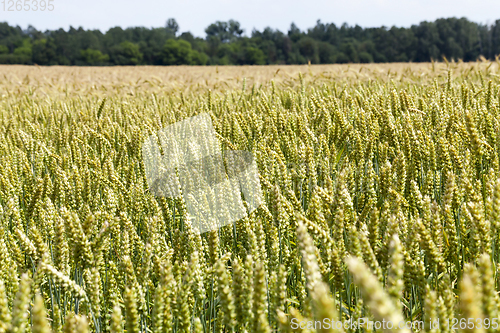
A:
x: 27, y: 5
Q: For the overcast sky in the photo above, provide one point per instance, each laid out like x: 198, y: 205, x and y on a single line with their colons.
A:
x: 196, y: 15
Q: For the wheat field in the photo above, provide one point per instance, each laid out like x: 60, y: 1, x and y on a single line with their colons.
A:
x: 381, y: 188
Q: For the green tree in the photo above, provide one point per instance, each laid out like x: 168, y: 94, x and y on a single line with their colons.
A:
x: 342, y: 58
x: 94, y: 57
x: 199, y: 58
x: 126, y: 53
x: 224, y: 31
x: 326, y: 53
x: 177, y: 52
x: 254, y: 56
x: 294, y: 33
x: 25, y: 49
x: 22, y: 53
x: 365, y: 57
x: 309, y: 49
x: 349, y: 49
x: 172, y: 26
x: 44, y: 52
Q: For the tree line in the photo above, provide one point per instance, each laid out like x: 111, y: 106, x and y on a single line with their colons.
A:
x: 226, y: 44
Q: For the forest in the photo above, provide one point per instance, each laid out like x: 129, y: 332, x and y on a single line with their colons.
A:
x: 226, y: 43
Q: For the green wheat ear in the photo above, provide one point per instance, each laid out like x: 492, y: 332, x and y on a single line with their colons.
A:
x: 40, y: 323
x: 101, y: 107
x: 380, y: 199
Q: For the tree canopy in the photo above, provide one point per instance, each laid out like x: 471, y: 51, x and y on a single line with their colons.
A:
x: 225, y: 43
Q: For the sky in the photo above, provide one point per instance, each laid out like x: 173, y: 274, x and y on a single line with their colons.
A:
x: 196, y: 15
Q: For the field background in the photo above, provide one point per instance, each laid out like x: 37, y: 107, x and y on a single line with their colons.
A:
x: 381, y: 186
x: 170, y: 79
